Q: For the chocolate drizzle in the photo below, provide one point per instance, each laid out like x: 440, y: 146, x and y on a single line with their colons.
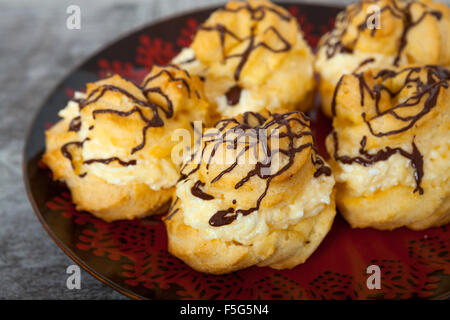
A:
x: 172, y: 210
x: 199, y: 193
x: 233, y: 95
x: 410, y: 23
x: 140, y: 106
x: 231, y: 131
x: 321, y: 168
x: 172, y: 78
x: 256, y: 14
x: 437, y: 77
x: 65, y: 149
x: 112, y: 159
x: 401, y: 10
x: 426, y: 92
x: 364, y: 62
x: 75, y: 124
x: 223, y: 217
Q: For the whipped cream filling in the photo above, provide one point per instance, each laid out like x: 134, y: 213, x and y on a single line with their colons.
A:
x: 156, y: 173
x: 247, y: 102
x: 331, y: 69
x: 72, y: 109
x: 187, y: 60
x: 308, y: 202
x: 395, y: 171
x: 382, y: 175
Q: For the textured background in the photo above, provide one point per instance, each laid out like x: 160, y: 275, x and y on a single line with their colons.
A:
x: 36, y: 52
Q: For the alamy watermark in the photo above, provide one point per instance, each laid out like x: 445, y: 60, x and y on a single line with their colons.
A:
x: 374, y: 280
x: 74, y: 279
x: 373, y: 19
x: 73, y: 21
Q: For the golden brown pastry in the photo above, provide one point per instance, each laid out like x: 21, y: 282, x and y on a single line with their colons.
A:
x: 252, y: 56
x: 113, y: 145
x: 254, y: 192
x: 390, y: 147
x: 409, y: 32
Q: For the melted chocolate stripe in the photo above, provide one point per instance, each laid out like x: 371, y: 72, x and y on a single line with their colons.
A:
x: 75, y: 124
x: 222, y: 217
x: 101, y: 90
x: 169, y: 112
x: 65, y: 149
x: 155, y: 121
x: 172, y: 79
x: 334, y: 99
x: 437, y: 78
x: 409, y: 24
x: 109, y: 160
x: 135, y: 109
x: 261, y: 9
x: 252, y: 45
x: 233, y: 95
x: 363, y: 63
x: 199, y: 193
x: 334, y: 43
x: 172, y: 211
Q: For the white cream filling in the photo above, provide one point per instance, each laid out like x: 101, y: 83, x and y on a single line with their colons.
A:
x: 197, y: 212
x: 156, y: 173
x: 380, y: 176
x: 332, y: 69
x: 194, y: 67
x: 247, y: 102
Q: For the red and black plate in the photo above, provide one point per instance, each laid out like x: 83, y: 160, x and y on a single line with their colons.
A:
x: 132, y: 256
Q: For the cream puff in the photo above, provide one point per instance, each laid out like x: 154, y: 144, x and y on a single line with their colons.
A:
x: 252, y: 56
x: 382, y: 34
x: 253, y: 192
x: 113, y: 145
x: 390, y: 147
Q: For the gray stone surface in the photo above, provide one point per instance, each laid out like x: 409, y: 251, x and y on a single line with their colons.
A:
x: 36, y: 51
